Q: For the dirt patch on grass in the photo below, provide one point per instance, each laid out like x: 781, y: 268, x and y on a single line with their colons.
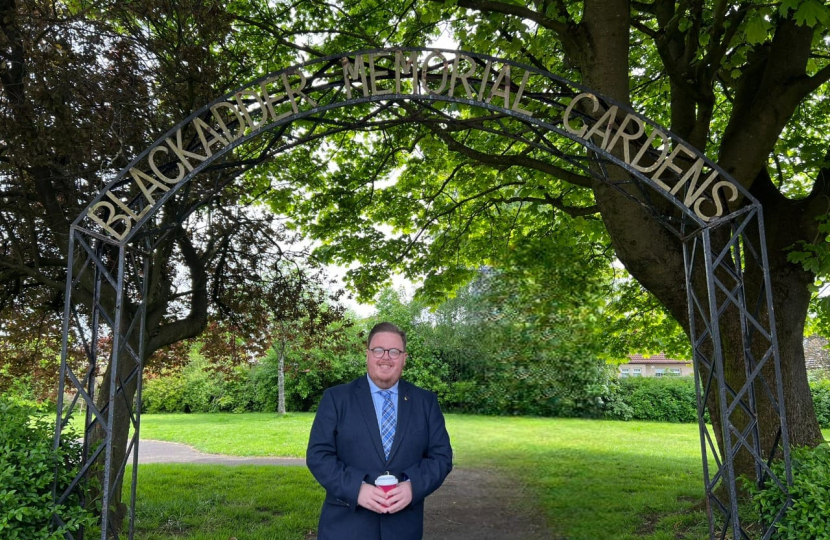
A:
x: 477, y: 504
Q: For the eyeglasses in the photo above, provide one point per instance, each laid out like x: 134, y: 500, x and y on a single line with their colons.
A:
x: 377, y: 352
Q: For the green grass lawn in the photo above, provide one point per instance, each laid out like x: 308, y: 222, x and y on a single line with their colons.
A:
x: 208, y: 502
x: 251, y: 434
x: 592, y: 480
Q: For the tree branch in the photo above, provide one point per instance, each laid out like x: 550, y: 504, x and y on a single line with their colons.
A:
x: 278, y: 36
x: 555, y: 202
x: 505, y: 161
x: 196, y: 321
x: 492, y: 6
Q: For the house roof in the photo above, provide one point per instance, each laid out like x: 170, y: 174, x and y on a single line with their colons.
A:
x: 655, y: 359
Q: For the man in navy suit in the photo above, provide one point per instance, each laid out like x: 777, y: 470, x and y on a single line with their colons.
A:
x: 371, y: 426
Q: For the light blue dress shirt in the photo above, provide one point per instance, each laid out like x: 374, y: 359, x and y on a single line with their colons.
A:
x: 378, y: 400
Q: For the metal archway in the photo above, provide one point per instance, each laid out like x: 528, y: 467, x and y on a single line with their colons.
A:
x: 112, y: 241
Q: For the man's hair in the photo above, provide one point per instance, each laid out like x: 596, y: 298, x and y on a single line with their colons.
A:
x: 385, y: 327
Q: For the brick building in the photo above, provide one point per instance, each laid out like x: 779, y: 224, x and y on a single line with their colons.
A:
x: 655, y: 366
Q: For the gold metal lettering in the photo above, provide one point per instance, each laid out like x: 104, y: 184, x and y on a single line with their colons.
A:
x: 484, y: 78
x: 113, y: 218
x: 664, y: 150
x: 502, y: 78
x: 201, y: 126
x: 456, y: 74
x: 153, y: 167
x: 183, y: 154
x: 716, y: 199
x: 607, y: 120
x: 669, y: 163
x: 444, y: 72
x: 230, y: 135
x: 297, y: 93
x: 148, y: 192
x: 352, y: 73
x: 566, y: 116
x: 276, y: 98
x: 521, y: 91
x: 626, y: 137
x: 693, y: 173
x: 374, y: 75
x: 243, y: 108
x: 409, y: 67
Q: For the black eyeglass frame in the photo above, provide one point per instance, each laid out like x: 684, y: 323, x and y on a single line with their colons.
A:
x: 393, y: 356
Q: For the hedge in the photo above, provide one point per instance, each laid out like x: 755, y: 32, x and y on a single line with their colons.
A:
x: 662, y: 399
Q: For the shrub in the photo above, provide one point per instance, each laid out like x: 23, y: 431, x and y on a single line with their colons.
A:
x: 664, y: 399
x: 21, y: 391
x: 615, y: 405
x: 240, y: 391
x: 163, y: 394
x: 309, y: 372
x: 809, y: 516
x: 821, y: 401
x: 27, y: 473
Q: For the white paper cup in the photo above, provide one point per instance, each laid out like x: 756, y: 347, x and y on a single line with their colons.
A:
x: 386, y: 482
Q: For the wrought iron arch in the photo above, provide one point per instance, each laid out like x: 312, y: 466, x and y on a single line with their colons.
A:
x: 570, y: 126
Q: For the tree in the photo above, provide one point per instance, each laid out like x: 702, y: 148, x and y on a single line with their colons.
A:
x: 743, y: 82
x: 85, y: 87
x: 532, y: 336
x: 305, y: 316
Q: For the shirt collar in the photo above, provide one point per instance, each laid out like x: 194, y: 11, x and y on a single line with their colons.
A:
x: 375, y: 388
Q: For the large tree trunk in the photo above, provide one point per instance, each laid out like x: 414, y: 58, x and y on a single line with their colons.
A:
x: 655, y: 257
x: 120, y: 435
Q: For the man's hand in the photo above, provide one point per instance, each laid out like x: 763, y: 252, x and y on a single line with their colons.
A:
x: 399, y: 498
x: 373, y: 498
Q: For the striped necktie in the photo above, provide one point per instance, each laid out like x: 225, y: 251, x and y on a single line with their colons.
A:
x: 388, y: 420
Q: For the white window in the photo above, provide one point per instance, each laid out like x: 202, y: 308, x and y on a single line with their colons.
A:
x: 625, y: 372
x: 659, y: 372
x: 674, y: 371
x: 638, y: 372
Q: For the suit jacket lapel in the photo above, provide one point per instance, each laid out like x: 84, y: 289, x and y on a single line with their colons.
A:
x: 364, y: 397
x: 404, y: 408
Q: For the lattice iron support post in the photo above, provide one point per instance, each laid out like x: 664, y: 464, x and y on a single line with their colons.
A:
x: 88, y: 328
x: 59, y: 421
x: 109, y: 481
x: 733, y: 517
x: 138, y: 397
x: 724, y: 268
x: 784, y: 434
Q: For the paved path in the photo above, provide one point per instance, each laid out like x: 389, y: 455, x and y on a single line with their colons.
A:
x: 167, y: 452
x: 473, y: 504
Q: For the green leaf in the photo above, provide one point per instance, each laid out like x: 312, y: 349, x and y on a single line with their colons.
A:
x: 757, y: 29
x: 812, y: 12
x: 786, y: 6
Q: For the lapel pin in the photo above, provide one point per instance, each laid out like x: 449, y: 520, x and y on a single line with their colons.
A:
x: 406, y: 398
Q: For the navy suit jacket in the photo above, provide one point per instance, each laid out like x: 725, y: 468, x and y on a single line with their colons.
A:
x: 345, y: 450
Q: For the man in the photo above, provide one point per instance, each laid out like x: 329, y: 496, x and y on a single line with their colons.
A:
x: 368, y: 427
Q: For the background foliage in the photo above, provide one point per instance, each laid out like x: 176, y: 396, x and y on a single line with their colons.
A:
x: 809, y: 516
x: 27, y: 474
